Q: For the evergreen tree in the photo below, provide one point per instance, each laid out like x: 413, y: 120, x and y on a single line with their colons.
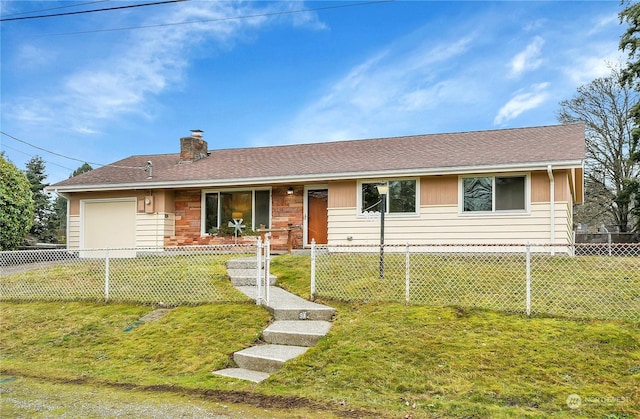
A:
x: 60, y: 205
x: 630, y: 42
x: 43, y: 228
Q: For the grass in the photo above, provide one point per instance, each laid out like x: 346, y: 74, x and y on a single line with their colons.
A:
x: 458, y: 363
x: 387, y: 359
x: 586, y: 286
x: 70, y: 340
x: 185, y: 279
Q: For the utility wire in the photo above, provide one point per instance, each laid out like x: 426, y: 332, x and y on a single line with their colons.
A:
x: 56, y: 8
x: 92, y: 10
x: 31, y: 155
x: 70, y: 158
x: 224, y: 18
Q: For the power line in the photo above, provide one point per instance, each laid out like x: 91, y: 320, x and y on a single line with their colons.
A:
x: 92, y: 10
x: 223, y: 18
x: 31, y: 155
x: 67, y: 157
x: 56, y: 8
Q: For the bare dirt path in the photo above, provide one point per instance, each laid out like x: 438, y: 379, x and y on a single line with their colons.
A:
x: 22, y: 397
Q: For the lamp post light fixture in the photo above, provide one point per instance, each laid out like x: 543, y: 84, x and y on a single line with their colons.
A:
x: 383, y: 190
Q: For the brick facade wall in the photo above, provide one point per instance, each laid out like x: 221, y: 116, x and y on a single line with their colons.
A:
x: 286, y: 211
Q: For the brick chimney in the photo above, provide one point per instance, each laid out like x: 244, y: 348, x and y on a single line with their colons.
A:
x: 193, y: 148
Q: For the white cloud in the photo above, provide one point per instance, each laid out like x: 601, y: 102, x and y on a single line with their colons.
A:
x: 528, y: 59
x: 524, y: 100
x: 147, y: 62
x: 603, y: 22
x: 29, y: 111
x: 586, y: 68
x: 398, y: 80
x: 534, y: 25
x: 31, y: 56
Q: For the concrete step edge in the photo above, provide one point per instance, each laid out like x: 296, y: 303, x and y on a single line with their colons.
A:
x: 243, y: 264
x: 291, y: 338
x: 267, y: 358
x: 306, y: 327
x: 234, y: 271
x: 324, y: 314
x: 243, y: 374
x: 247, y: 281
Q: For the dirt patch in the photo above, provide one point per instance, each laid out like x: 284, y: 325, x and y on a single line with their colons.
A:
x: 154, y: 315
x: 256, y: 400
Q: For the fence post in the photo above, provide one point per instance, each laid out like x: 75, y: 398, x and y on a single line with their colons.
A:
x: 259, y: 272
x: 106, y: 276
x: 528, y: 259
x: 313, y: 268
x: 267, y: 266
x: 407, y: 279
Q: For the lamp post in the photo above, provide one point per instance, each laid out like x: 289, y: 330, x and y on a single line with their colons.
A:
x: 383, y: 189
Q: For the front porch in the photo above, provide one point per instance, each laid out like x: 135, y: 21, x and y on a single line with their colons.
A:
x: 286, y: 216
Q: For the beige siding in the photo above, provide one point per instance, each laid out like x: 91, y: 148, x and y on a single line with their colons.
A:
x: 343, y: 194
x: 564, y: 210
x: 578, y: 179
x: 73, y: 238
x: 563, y: 191
x: 439, y: 190
x: 151, y: 229
x: 444, y: 225
x: 540, y: 186
x: 162, y: 201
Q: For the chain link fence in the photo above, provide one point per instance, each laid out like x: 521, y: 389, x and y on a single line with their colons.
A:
x: 581, y: 281
x: 186, y: 275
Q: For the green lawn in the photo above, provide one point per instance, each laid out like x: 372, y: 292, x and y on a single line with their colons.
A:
x: 380, y: 359
x: 581, y: 287
x: 184, y: 279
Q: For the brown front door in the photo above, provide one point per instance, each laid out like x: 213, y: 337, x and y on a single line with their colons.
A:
x: 317, y: 220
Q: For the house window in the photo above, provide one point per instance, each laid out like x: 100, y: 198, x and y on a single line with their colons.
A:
x: 402, y: 197
x: 253, y: 206
x: 494, y: 193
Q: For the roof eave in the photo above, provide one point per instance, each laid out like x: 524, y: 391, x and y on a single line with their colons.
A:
x: 320, y: 177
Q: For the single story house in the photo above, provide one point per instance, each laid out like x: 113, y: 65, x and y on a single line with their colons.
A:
x: 490, y: 187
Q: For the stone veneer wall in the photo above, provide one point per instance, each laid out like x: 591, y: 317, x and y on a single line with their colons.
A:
x: 286, y: 211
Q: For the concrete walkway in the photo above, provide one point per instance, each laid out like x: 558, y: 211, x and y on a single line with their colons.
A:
x: 298, y: 324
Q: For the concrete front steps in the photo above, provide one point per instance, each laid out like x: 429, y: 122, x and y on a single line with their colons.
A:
x: 298, y: 324
x: 243, y: 271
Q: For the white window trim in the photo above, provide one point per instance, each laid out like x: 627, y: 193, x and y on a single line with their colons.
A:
x: 416, y: 213
x: 494, y: 212
x: 203, y: 203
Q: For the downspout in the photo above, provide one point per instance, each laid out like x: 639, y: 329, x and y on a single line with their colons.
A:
x: 552, y: 209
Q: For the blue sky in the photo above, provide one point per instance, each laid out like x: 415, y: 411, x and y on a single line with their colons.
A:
x: 74, y: 86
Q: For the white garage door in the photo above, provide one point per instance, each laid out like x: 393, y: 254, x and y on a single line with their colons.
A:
x: 109, y: 224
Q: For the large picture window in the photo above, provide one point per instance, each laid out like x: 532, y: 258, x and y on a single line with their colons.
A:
x: 494, y: 193
x: 221, y: 207
x: 401, y: 199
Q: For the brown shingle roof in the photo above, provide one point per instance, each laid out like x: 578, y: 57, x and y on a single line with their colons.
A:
x: 332, y: 160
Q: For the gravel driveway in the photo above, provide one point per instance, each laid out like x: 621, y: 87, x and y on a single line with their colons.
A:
x: 31, y: 398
